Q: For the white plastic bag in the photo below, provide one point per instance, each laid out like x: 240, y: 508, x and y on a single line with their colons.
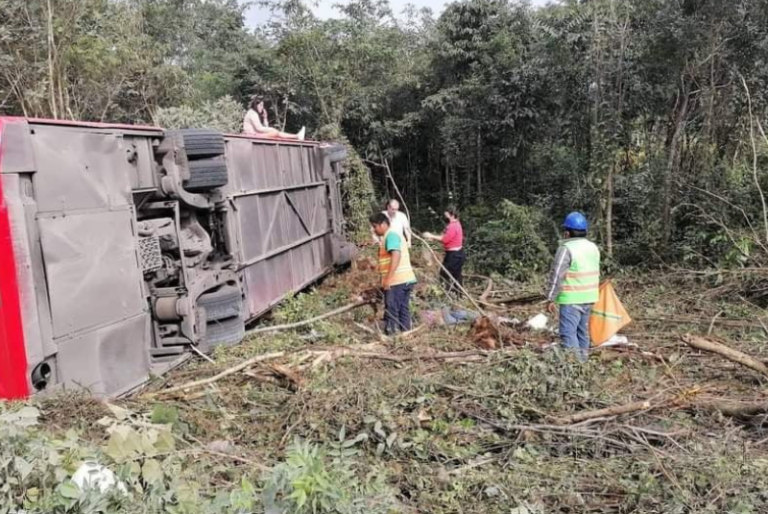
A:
x: 93, y: 475
x: 538, y: 322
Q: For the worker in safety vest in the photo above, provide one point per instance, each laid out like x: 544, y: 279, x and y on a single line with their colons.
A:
x: 574, y: 284
x: 397, y: 277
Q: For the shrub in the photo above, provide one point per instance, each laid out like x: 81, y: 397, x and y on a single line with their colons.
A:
x: 224, y: 114
x: 313, y: 480
x: 510, y: 239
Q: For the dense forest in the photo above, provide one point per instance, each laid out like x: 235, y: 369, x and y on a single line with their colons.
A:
x: 646, y: 115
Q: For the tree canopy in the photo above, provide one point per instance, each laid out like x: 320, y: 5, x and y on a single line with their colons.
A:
x: 647, y: 115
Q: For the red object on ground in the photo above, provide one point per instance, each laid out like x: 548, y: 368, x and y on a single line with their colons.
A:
x: 13, y: 355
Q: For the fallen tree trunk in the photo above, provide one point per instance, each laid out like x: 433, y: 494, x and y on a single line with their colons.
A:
x: 727, y: 352
x: 608, y: 412
x: 290, y: 326
x: 223, y: 374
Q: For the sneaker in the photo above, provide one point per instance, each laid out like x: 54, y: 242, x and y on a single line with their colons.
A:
x: 300, y: 135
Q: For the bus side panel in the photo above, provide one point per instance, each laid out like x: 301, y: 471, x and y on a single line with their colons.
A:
x: 281, y: 219
x: 87, y: 231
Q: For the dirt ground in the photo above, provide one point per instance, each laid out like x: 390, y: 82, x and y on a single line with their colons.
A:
x: 450, y: 427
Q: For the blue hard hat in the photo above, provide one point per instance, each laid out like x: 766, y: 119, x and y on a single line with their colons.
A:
x: 575, y: 221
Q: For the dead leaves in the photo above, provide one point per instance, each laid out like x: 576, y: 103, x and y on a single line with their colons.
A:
x: 491, y: 335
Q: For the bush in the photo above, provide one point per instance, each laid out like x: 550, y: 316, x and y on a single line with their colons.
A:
x: 511, y: 240
x: 313, y: 480
x: 225, y: 115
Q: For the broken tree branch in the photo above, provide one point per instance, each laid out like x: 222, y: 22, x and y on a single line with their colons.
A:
x: 727, y: 352
x: 521, y: 300
x: 229, y: 371
x: 487, y: 292
x: 692, y: 320
x: 336, y: 353
x: 616, y: 410
x: 734, y: 409
x: 448, y: 274
x: 289, y: 326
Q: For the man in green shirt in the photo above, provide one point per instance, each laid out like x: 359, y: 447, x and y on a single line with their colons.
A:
x: 397, y: 277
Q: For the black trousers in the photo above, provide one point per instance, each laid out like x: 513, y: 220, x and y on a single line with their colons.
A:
x: 452, y: 264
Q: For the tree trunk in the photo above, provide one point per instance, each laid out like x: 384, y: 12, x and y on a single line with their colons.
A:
x: 479, y: 165
x: 673, y: 161
x: 609, y: 210
x: 51, y: 64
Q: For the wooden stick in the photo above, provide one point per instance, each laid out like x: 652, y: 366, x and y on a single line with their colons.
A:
x: 488, y: 291
x: 223, y: 374
x: 727, y: 352
x: 521, y: 300
x: 616, y: 410
x: 289, y: 326
x: 455, y: 282
x: 201, y: 354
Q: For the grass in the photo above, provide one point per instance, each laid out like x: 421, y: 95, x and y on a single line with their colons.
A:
x: 435, y: 432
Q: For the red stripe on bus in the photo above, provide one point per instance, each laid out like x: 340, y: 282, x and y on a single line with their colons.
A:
x: 13, y: 355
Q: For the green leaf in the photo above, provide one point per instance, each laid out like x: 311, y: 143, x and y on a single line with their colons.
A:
x: 300, y: 497
x: 33, y: 494
x: 116, y: 448
x: 164, y: 414
x: 247, y: 487
x: 23, y: 418
x: 165, y: 442
x: 69, y: 490
x: 23, y: 467
x: 152, y: 472
x: 118, y: 412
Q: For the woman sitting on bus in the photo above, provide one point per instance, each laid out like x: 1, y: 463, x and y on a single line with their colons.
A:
x: 256, y: 123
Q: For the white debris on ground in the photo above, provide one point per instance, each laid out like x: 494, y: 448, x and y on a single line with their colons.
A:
x: 618, y: 340
x: 538, y: 322
x: 92, y: 475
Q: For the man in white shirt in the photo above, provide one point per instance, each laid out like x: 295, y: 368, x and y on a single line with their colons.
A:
x: 398, y: 222
x: 256, y: 122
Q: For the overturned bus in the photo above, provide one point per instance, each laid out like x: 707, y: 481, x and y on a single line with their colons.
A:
x: 123, y: 248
